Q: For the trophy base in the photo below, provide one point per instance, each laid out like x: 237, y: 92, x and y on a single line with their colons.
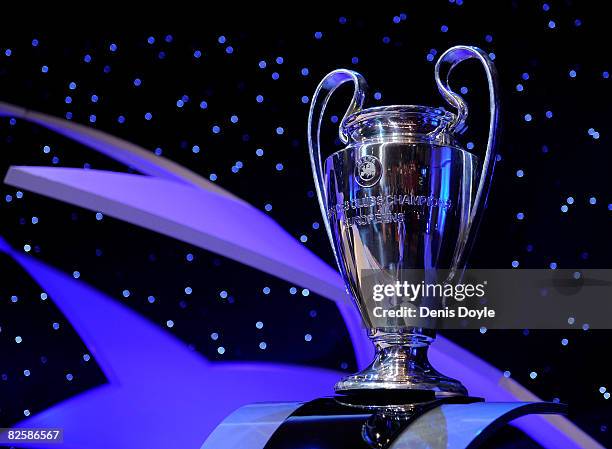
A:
x: 401, y: 368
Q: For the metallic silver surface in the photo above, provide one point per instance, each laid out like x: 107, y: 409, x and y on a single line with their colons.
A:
x: 448, y: 426
x: 401, y: 195
x: 464, y: 426
x: 415, y: 215
x: 250, y: 426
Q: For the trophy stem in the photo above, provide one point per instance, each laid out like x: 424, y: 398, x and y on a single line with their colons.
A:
x: 401, y: 365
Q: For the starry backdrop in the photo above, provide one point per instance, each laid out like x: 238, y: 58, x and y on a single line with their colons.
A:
x: 232, y: 106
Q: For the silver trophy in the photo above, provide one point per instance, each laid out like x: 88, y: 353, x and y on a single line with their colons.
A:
x: 402, y: 195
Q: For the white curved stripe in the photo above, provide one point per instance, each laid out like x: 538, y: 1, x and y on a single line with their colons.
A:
x: 118, y: 149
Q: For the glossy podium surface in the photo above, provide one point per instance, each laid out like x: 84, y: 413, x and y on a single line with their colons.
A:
x: 330, y: 423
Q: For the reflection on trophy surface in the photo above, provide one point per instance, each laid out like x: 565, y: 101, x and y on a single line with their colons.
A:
x: 402, y: 195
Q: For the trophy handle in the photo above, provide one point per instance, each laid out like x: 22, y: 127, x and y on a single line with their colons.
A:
x: 324, y: 91
x: 447, y: 62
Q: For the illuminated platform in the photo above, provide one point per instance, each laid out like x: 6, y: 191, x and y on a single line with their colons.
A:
x: 328, y: 423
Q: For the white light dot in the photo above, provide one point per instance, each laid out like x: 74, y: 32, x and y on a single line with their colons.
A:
x: 170, y: 323
x: 221, y: 350
x: 305, y: 292
x: 263, y: 345
x: 533, y: 374
x: 308, y: 337
x: 26, y: 372
x: 259, y: 325
x: 507, y: 374
x: 214, y: 336
x: 564, y: 342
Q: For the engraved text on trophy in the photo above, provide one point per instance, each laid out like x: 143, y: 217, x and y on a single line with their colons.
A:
x: 383, y: 208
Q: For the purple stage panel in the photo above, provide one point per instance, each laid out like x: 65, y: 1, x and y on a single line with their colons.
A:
x: 202, y: 218
x: 160, y: 393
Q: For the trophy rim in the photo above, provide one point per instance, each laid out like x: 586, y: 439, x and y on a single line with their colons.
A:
x: 399, y: 109
x: 406, y: 123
